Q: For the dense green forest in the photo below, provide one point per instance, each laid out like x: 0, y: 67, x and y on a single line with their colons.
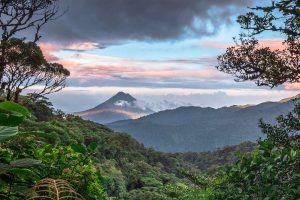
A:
x: 101, y: 164
x: 97, y: 162
x: 47, y: 154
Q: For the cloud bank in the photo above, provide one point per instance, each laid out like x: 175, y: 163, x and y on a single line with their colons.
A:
x: 121, y: 20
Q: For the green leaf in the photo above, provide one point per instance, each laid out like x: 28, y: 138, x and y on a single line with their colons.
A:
x: 3, y: 168
x: 14, y: 107
x: 22, y: 173
x: 78, y: 148
x: 92, y: 146
x: 6, y: 132
x: 10, y: 118
x: 26, y: 162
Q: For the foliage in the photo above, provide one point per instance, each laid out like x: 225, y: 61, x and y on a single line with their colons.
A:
x: 25, y: 66
x: 211, y: 162
x: 17, y: 16
x: 183, y: 192
x: 286, y: 132
x: 11, y: 115
x: 272, y: 171
x: 27, y: 159
x: 248, y: 60
x: 53, y: 190
x: 92, y: 158
x: 39, y: 106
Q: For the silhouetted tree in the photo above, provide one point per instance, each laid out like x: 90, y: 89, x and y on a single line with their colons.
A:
x: 19, y: 15
x: 248, y: 60
x: 26, y: 67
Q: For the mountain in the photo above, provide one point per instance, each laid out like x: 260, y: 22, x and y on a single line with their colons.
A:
x: 201, y: 129
x: 119, y: 107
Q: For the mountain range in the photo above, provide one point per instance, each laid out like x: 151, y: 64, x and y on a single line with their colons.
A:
x: 202, y: 129
x: 119, y: 107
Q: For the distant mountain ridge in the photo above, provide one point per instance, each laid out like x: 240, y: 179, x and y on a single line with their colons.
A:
x: 119, y: 107
x: 202, y: 129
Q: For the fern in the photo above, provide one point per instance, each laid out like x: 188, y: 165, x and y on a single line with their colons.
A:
x: 50, y: 189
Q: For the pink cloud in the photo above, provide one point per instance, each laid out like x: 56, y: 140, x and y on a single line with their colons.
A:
x: 110, y: 71
x: 49, y: 49
x: 274, y: 44
x: 83, y: 46
x: 215, y: 45
x: 86, y: 66
x: 135, y: 61
x: 292, y: 86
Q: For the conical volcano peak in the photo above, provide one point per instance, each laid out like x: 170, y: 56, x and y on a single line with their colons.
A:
x: 121, y: 106
x: 121, y: 96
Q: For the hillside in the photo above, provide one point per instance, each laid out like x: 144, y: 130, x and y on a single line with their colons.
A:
x: 119, y: 107
x: 127, y: 169
x: 201, y: 129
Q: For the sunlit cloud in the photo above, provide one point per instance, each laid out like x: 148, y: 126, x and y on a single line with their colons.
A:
x: 83, y: 46
x: 272, y: 43
x: 87, y: 66
x: 215, y: 45
x: 110, y: 71
x: 292, y: 86
x: 49, y: 49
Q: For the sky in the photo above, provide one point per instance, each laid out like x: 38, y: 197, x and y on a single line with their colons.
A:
x: 160, y: 51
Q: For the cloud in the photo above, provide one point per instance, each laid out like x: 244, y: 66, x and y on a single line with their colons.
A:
x: 88, y: 67
x: 83, y: 46
x: 92, y: 96
x: 215, y: 45
x: 49, y: 48
x: 114, y: 21
x: 272, y: 43
x: 292, y: 86
x: 82, y: 71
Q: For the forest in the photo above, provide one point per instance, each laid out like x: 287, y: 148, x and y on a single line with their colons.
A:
x: 48, y: 154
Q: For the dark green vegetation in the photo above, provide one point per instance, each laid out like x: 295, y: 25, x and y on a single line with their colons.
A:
x: 201, y: 129
x: 43, y: 151
x: 210, y: 162
x: 97, y: 162
x: 273, y: 170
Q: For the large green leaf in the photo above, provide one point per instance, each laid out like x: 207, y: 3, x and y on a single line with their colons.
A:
x: 6, y: 132
x: 25, y: 162
x: 10, y: 118
x: 12, y: 114
x: 14, y: 107
x: 23, y: 173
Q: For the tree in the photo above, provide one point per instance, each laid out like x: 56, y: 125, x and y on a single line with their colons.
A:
x: 20, y: 15
x: 26, y: 67
x: 272, y: 171
x: 248, y: 60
